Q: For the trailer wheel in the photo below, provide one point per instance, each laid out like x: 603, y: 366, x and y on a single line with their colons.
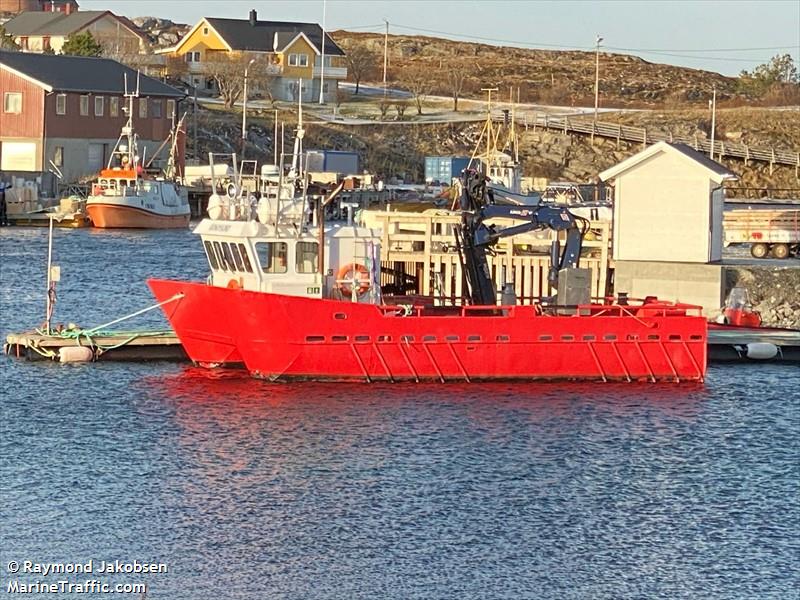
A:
x: 759, y: 250
x: 780, y: 251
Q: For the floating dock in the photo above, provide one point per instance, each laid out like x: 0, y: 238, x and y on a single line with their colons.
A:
x: 105, y: 346
x: 724, y: 345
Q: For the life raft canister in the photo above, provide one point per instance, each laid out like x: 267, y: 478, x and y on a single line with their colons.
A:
x: 353, y: 273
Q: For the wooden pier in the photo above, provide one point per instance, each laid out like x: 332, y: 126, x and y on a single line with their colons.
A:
x: 419, y: 246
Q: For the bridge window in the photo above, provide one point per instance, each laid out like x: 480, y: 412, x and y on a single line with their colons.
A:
x: 272, y: 256
x: 226, y: 249
x: 223, y: 264
x: 236, y: 257
x: 245, y: 258
x: 306, y: 255
x: 212, y: 258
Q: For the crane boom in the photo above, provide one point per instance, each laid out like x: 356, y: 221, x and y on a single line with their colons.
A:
x: 475, y: 238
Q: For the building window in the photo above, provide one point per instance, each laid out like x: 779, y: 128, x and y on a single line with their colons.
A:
x: 142, y: 108
x: 99, y: 106
x: 298, y: 60
x: 303, y: 60
x: 58, y: 156
x: 113, y: 107
x: 12, y: 102
x: 192, y: 57
x: 205, y: 30
x: 84, y: 106
x: 156, y: 109
x: 170, y: 109
x: 61, y: 104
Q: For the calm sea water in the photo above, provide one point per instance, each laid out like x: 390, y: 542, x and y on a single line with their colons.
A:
x: 247, y: 489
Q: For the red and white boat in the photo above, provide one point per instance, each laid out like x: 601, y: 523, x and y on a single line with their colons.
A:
x: 123, y: 197
x: 268, y: 305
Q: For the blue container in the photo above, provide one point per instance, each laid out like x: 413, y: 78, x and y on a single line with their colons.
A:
x: 442, y: 169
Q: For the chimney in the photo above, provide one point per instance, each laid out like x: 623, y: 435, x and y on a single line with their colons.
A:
x: 253, y: 18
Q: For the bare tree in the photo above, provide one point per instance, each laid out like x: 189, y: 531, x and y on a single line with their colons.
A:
x: 227, y: 70
x: 417, y: 80
x: 361, y: 63
x: 455, y: 73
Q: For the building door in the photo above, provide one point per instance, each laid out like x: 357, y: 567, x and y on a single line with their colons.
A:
x: 96, y: 156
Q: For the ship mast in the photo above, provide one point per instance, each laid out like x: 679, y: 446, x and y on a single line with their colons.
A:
x: 125, y: 153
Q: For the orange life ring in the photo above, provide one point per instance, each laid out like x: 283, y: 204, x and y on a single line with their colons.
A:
x: 234, y: 284
x: 353, y: 273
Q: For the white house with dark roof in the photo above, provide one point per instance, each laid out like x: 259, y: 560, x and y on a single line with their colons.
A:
x: 40, y: 31
x: 293, y: 50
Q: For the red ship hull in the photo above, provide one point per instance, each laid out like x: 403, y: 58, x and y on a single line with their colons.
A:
x: 284, y: 338
x: 205, y: 331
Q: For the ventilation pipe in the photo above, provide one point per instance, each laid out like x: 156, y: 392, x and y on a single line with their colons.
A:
x: 253, y: 17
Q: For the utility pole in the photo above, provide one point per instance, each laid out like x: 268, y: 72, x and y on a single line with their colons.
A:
x: 597, y: 77
x: 244, y: 106
x: 322, y: 64
x: 385, y: 56
x: 712, y: 104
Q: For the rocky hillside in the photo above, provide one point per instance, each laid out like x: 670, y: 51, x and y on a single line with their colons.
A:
x: 399, y: 150
x: 547, y: 76
x: 162, y: 32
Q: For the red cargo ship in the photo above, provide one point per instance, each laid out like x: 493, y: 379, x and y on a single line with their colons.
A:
x: 284, y: 338
x: 267, y: 304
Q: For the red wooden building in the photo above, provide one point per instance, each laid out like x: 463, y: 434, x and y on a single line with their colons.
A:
x: 67, y: 111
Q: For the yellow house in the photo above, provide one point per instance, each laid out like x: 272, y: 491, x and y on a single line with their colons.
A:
x: 293, y: 51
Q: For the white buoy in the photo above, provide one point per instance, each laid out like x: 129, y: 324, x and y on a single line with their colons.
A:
x: 761, y: 351
x: 217, y: 207
x: 75, y: 354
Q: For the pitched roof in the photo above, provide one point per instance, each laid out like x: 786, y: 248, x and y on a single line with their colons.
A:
x: 717, y: 171
x: 82, y: 74
x: 57, y: 23
x: 241, y: 35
